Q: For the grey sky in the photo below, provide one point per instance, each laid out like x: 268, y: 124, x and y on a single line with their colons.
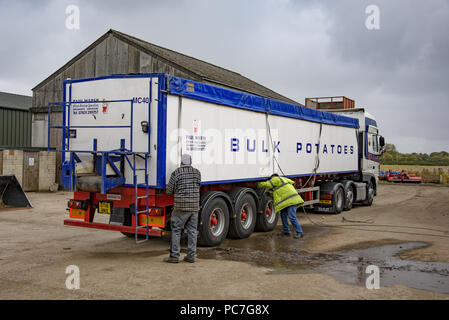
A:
x: 307, y: 48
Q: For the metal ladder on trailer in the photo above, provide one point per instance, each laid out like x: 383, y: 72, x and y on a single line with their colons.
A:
x: 137, y: 197
x: 118, y: 152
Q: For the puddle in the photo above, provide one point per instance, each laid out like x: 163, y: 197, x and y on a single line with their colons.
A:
x: 285, y: 255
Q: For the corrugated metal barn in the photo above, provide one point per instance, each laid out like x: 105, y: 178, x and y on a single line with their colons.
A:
x: 15, y: 121
x: 119, y: 53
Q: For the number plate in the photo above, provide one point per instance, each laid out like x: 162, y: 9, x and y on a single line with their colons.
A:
x: 323, y: 209
x: 326, y: 201
x: 104, y: 207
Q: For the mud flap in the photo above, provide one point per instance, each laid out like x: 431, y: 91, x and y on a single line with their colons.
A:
x: 11, y: 192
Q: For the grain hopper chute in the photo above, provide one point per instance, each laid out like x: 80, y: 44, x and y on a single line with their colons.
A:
x: 11, y: 192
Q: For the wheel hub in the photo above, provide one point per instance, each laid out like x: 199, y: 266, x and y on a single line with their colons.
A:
x: 243, y: 215
x: 268, y: 211
x: 213, y: 221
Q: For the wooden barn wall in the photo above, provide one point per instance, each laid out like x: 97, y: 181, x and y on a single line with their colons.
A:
x: 111, y: 56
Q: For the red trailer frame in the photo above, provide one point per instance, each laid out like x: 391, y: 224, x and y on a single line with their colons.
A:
x: 159, y: 203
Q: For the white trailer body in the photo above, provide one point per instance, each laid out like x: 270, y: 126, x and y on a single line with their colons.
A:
x: 234, y: 144
x: 228, y: 143
x: 123, y: 136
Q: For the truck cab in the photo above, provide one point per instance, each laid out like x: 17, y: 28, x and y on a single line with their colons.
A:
x: 371, y: 143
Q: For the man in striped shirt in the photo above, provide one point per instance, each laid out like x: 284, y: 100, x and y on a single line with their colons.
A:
x: 185, y: 183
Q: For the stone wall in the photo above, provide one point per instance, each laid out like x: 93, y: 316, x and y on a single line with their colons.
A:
x: 47, y: 170
x: 12, y: 162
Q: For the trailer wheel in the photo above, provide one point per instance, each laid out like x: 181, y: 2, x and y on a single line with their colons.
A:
x: 214, y: 223
x: 268, y: 218
x: 338, y: 200
x: 349, y: 198
x: 244, y: 220
x: 369, y: 194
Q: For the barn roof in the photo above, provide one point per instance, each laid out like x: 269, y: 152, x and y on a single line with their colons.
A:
x: 15, y: 101
x: 197, y: 68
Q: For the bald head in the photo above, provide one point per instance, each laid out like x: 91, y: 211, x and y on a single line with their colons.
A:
x: 186, y: 160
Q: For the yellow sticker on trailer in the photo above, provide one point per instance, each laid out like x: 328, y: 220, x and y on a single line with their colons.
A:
x: 326, y: 201
x: 104, y: 207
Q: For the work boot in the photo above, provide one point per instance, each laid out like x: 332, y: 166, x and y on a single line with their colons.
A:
x: 188, y: 259
x: 298, y: 236
x: 171, y: 260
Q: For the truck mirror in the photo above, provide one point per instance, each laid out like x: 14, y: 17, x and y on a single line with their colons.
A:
x: 382, y: 141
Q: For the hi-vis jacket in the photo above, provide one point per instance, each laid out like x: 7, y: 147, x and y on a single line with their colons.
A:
x: 284, y: 193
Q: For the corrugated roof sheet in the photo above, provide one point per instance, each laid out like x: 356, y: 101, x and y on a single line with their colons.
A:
x: 15, y: 101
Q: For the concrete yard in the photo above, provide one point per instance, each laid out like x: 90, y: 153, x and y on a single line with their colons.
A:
x: 408, y: 239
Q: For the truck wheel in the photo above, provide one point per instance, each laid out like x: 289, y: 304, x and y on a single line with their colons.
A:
x: 214, y: 223
x: 268, y: 218
x: 349, y: 198
x: 244, y: 220
x: 338, y: 200
x: 369, y: 194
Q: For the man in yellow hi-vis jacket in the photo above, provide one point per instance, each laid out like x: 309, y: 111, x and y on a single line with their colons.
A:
x: 286, y: 200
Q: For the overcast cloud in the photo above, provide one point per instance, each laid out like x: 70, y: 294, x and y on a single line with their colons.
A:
x: 300, y: 49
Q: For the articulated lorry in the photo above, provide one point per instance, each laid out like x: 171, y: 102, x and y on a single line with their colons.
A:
x: 123, y: 136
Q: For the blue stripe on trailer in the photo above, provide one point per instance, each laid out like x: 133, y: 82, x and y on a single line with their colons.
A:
x: 254, y: 179
x: 242, y: 100
x: 266, y: 178
x: 161, y: 133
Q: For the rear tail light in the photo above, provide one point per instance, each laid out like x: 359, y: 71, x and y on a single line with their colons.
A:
x: 156, y: 212
x: 78, y: 204
x: 142, y: 219
x: 326, y: 196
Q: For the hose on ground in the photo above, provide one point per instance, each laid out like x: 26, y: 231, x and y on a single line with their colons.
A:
x: 370, y: 223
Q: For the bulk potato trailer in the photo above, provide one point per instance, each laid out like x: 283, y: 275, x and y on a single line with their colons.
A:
x: 123, y: 136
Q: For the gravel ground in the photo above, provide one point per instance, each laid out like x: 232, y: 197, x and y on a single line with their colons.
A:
x: 36, y: 248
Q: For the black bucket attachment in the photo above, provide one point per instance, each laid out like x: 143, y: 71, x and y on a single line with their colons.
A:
x: 11, y: 192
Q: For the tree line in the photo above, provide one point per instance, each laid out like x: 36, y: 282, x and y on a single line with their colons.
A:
x: 392, y: 156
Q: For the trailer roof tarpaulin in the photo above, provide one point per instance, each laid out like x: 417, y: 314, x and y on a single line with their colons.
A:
x: 228, y: 97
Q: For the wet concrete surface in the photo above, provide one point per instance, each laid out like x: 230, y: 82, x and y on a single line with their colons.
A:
x: 286, y: 255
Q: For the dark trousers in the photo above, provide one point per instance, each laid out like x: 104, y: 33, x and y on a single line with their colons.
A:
x: 179, y: 221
